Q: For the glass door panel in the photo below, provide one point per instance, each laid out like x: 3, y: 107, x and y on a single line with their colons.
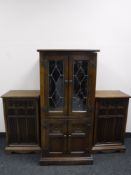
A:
x: 55, y: 88
x: 80, y: 84
x: 56, y: 85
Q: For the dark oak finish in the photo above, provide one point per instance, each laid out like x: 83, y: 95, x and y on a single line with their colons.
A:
x: 67, y: 90
x: 110, y: 121
x: 21, y: 114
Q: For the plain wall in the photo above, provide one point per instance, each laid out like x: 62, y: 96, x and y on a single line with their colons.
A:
x: 26, y: 26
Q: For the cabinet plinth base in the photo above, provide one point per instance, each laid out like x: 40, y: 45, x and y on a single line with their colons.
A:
x: 66, y: 160
x: 22, y: 149
x: 108, y: 148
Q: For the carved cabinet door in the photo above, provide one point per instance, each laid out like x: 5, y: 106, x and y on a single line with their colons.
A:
x: 78, y: 137
x: 110, y: 120
x: 21, y: 121
x: 55, y: 133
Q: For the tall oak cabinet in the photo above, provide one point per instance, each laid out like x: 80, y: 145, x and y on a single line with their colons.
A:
x: 67, y: 91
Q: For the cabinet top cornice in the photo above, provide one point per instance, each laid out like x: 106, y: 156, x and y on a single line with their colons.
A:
x: 67, y: 50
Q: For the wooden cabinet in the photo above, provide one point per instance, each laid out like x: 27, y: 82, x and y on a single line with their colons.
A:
x: 21, y: 113
x: 67, y: 90
x: 73, y: 119
x: 110, y: 120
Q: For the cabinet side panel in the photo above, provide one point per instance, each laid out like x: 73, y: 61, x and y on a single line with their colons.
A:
x: 5, y: 120
x: 42, y: 97
x: 92, y: 88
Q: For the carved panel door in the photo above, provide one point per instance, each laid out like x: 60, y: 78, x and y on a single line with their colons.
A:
x: 78, y: 137
x: 21, y: 121
x: 55, y: 131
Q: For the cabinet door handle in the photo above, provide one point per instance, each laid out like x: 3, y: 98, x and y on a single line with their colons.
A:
x: 65, y: 135
x: 69, y: 135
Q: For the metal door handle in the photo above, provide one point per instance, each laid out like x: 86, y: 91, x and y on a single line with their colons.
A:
x: 70, y: 81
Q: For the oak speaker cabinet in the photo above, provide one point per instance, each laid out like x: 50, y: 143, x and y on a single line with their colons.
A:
x: 110, y: 121
x: 67, y: 91
x: 21, y: 114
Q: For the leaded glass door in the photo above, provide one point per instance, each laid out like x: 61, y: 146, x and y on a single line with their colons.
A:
x: 81, y: 86
x: 56, y: 85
